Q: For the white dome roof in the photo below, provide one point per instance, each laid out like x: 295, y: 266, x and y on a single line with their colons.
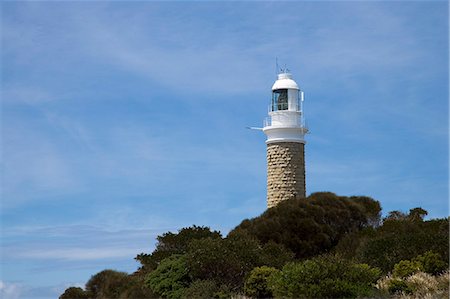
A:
x: 285, y: 82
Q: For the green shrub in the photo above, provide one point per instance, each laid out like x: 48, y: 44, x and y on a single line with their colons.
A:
x: 74, y: 293
x: 173, y: 243
x: 396, y: 286
x: 431, y: 263
x: 224, y: 292
x: 107, y: 284
x: 275, y: 255
x: 225, y: 261
x: 201, y: 289
x: 135, y: 288
x: 406, y: 268
x: 324, y: 277
x: 256, y: 285
x: 170, y: 278
x: 399, y: 238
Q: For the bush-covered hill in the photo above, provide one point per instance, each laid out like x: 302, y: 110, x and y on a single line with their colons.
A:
x: 315, y: 225
x: 323, y: 246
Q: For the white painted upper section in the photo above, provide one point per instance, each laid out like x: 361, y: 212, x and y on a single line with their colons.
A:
x: 285, y: 118
x: 285, y: 82
x: 286, y: 125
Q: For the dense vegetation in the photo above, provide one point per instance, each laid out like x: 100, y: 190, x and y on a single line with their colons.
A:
x: 314, y: 225
x: 401, y: 237
x: 324, y: 246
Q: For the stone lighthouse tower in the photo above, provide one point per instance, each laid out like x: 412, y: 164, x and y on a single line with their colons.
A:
x: 285, y: 129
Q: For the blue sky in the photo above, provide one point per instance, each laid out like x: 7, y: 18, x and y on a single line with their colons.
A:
x: 123, y: 120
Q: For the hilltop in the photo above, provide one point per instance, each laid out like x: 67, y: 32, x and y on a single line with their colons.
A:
x: 322, y: 246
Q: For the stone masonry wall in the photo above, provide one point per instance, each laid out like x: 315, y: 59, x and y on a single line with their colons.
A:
x: 285, y: 171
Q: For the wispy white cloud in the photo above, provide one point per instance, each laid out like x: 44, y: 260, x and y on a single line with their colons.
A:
x: 76, y: 243
x: 33, y: 164
x: 136, y: 154
x: 185, y: 68
x: 79, y: 254
x: 10, y: 290
x: 35, y: 167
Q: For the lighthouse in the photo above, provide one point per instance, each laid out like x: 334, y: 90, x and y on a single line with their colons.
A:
x: 285, y: 129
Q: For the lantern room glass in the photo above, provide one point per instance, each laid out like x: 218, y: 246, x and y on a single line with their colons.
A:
x: 280, y: 100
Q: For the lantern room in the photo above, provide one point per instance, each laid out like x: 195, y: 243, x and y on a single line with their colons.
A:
x: 285, y: 94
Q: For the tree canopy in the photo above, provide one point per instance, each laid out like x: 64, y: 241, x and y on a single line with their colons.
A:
x: 401, y: 237
x: 174, y: 243
x: 106, y: 284
x: 313, y: 225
